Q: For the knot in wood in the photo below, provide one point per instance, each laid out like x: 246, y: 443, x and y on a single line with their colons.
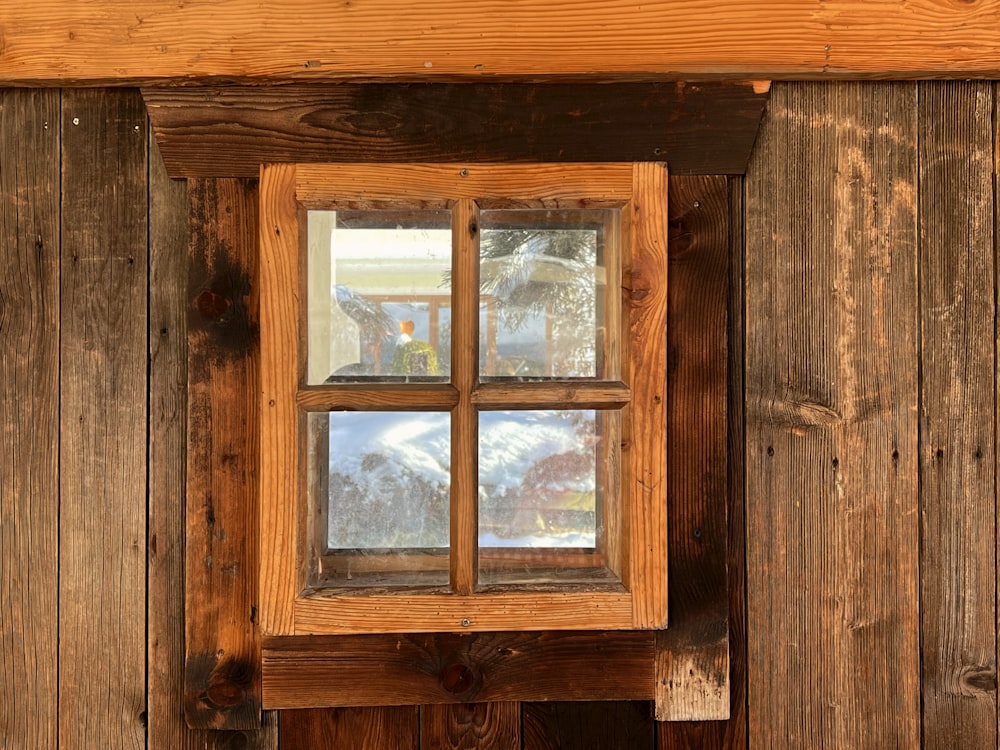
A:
x: 457, y: 678
x: 213, y: 305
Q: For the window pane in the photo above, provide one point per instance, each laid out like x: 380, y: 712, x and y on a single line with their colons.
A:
x: 548, y: 488
x: 384, y: 496
x: 545, y: 306
x: 377, y: 281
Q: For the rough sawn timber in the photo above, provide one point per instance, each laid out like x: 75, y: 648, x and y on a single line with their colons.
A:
x: 229, y: 131
x: 131, y: 41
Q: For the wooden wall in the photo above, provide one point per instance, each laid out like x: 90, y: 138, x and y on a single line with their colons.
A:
x: 863, y: 394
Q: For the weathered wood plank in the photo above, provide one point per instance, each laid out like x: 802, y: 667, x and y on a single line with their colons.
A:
x: 699, y: 128
x: 831, y: 432
x: 396, y: 727
x: 222, y: 678
x: 169, y: 233
x: 957, y: 440
x: 692, y: 675
x: 143, y: 40
x: 734, y: 733
x: 359, y: 670
x: 102, y: 545
x: 471, y: 726
x: 29, y: 417
x: 588, y: 725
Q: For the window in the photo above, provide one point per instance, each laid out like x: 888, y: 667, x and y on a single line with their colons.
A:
x: 463, y: 373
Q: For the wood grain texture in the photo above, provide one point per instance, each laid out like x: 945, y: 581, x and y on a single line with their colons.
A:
x: 692, y: 679
x: 576, y: 395
x: 703, y: 128
x: 831, y: 431
x: 644, y: 458
x: 471, y: 726
x: 127, y: 41
x: 957, y: 444
x: 588, y: 725
x: 169, y: 239
x: 396, y: 727
x: 379, y: 397
x: 464, y: 446
x: 222, y: 677
x: 103, y: 360
x: 305, y: 672
x: 564, y: 608
x: 279, y: 467
x: 438, y: 185
x: 29, y: 417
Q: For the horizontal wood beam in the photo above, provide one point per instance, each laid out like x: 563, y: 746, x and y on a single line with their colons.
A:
x: 698, y: 128
x: 139, y: 41
x: 373, y: 670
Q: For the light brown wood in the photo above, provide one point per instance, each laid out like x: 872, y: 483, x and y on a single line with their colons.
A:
x: 378, y: 397
x: 279, y: 468
x: 102, y: 449
x: 588, y: 602
x: 124, y: 41
x: 833, y: 610
x: 958, y: 451
x: 644, y: 285
x: 29, y: 415
x: 441, y: 612
x: 558, y: 395
x: 434, y: 185
x: 464, y: 516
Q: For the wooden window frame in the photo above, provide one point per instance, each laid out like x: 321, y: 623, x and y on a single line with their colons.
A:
x: 288, y: 606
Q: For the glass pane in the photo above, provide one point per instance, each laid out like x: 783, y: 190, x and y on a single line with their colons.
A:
x: 377, y: 281
x: 548, y: 488
x: 545, y: 307
x: 381, y: 483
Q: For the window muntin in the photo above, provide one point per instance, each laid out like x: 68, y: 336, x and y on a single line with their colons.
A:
x: 636, y: 194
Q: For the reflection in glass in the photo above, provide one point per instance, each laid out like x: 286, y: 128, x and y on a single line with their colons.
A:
x: 544, y: 310
x: 389, y: 479
x: 377, y: 282
x: 544, y: 477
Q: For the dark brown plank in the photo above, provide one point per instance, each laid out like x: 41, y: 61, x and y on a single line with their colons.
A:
x: 169, y: 232
x: 831, y: 431
x: 471, y: 726
x: 306, y: 672
x: 222, y: 677
x: 734, y: 734
x: 958, y: 448
x: 730, y: 734
x: 588, y: 725
x: 396, y: 727
x: 699, y: 128
x: 102, y: 545
x: 29, y: 412
x: 692, y: 675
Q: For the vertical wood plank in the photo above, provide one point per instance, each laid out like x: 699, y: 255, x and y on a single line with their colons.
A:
x: 735, y: 734
x: 692, y: 675
x: 102, y: 546
x: 464, y: 561
x: 395, y: 727
x: 222, y: 676
x: 588, y: 725
x: 645, y: 291
x: 29, y: 417
x: 957, y: 441
x: 831, y: 431
x: 471, y: 726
